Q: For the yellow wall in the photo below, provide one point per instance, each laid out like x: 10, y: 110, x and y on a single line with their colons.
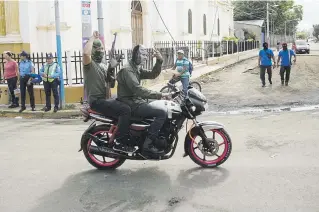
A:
x: 14, y: 47
x: 73, y: 94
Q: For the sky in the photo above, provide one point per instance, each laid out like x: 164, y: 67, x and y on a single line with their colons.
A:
x: 310, y: 13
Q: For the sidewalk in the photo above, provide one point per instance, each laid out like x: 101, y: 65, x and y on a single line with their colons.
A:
x: 72, y: 111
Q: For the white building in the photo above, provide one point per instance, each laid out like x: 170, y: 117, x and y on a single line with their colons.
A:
x: 135, y: 22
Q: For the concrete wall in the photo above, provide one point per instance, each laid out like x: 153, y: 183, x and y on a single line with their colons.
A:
x: 37, y: 15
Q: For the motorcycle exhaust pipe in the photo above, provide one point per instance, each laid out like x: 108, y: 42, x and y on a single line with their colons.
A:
x: 103, y: 151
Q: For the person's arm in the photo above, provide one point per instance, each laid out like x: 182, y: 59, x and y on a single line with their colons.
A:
x: 146, y: 74
x: 17, y: 73
x: 133, y: 84
x: 279, y: 57
x: 273, y: 58
x: 259, y: 58
x: 87, y: 51
x: 41, y: 72
x: 32, y: 68
x: 294, y: 54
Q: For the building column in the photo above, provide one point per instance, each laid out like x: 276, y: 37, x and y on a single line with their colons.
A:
x: 2, y: 19
x: 12, y: 17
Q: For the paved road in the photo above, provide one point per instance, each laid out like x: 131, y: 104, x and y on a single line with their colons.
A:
x: 273, y: 167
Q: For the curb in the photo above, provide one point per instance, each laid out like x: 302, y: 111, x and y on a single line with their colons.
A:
x: 66, y: 114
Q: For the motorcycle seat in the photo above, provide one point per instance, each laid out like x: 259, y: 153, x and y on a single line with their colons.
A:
x: 135, y: 120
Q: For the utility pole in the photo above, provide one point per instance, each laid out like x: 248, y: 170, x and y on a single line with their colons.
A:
x: 59, y: 51
x: 101, y: 32
x: 267, y: 22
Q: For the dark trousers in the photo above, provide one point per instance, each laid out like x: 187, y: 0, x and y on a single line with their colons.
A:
x: 263, y: 72
x: 117, y: 110
x: 48, y: 86
x: 23, y: 87
x: 284, y: 69
x: 12, y: 85
x: 148, y: 111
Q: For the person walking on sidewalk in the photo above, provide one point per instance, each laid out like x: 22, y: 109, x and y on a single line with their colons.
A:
x: 11, y: 74
x: 265, y: 63
x: 50, y: 73
x: 26, y: 67
x: 285, y: 56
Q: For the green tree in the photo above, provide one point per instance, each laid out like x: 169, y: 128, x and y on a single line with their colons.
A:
x: 316, y: 31
x: 301, y: 35
x: 281, y: 12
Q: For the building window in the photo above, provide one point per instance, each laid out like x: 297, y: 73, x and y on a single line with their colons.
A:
x: 137, y: 23
x: 218, y: 27
x: 190, y: 22
x: 204, y: 24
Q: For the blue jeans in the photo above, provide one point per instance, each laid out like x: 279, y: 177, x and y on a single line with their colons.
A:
x: 185, y: 83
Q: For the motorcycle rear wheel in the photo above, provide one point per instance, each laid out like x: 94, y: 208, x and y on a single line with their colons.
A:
x: 102, y: 165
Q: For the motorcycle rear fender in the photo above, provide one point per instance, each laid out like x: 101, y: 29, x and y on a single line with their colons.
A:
x: 205, y: 125
x: 85, y: 134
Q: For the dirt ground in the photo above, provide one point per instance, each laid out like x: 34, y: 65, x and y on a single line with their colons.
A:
x: 240, y: 86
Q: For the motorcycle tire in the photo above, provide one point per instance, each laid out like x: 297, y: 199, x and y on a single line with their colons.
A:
x: 212, y: 163
x: 196, y: 85
x: 91, y: 158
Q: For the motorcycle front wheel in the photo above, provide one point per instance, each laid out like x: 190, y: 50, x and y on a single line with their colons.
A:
x: 100, y: 162
x: 195, y: 147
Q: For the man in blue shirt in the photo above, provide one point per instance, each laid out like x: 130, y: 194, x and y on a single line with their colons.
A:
x: 285, y: 55
x: 265, y: 63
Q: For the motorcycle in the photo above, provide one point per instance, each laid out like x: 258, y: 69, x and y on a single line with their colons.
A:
x: 98, y: 139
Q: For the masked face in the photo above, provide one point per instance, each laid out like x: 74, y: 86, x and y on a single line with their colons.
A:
x: 284, y: 47
x: 97, y: 51
x: 265, y: 46
x: 142, y: 55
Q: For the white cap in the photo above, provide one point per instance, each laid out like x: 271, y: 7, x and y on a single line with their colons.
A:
x: 180, y: 51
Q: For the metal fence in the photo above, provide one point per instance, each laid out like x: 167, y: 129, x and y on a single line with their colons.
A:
x: 194, y: 50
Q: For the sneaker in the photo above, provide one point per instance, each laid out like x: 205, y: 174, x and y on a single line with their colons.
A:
x: 55, y: 110
x: 46, y: 109
x: 12, y: 106
x: 33, y: 109
x: 282, y: 83
x: 270, y: 82
x: 22, y: 109
x: 148, y: 147
x: 263, y: 86
x: 286, y: 83
x: 124, y: 148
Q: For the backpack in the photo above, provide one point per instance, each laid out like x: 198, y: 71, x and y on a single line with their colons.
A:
x: 190, y: 68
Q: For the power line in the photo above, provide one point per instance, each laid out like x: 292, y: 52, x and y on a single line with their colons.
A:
x: 163, y: 21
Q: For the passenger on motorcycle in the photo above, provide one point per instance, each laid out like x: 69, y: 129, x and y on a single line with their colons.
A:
x: 130, y: 91
x: 95, y: 81
x: 182, y: 65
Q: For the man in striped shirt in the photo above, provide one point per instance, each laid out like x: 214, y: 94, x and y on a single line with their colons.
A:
x: 182, y: 66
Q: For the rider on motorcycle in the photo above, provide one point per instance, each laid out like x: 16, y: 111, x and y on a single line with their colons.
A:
x: 95, y: 80
x: 130, y: 91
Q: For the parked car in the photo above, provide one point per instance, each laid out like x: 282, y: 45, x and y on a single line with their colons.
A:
x: 302, y: 46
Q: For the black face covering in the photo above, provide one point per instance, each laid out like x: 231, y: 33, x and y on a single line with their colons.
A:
x: 284, y: 47
x: 265, y: 45
x: 139, y: 55
x: 97, y: 51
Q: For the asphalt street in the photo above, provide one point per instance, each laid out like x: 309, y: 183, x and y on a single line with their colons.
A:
x: 273, y: 167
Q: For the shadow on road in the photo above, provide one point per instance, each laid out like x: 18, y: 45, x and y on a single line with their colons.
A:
x: 146, y: 189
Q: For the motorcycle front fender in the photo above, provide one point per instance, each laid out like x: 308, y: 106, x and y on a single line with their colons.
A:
x: 205, y: 125
x: 85, y: 134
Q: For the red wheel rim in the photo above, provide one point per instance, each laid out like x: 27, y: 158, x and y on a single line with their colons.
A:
x: 220, y: 158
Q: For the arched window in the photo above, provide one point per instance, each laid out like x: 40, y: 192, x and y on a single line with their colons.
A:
x: 137, y: 23
x: 190, y: 22
x: 204, y: 24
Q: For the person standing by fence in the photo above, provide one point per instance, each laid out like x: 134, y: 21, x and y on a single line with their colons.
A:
x: 50, y: 74
x: 26, y: 67
x: 11, y: 74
